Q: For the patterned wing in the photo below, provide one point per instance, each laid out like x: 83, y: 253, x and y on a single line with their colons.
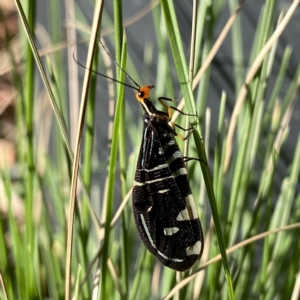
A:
x: 162, y: 201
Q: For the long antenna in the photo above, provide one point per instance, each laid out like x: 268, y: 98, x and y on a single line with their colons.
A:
x: 127, y: 75
x: 105, y: 76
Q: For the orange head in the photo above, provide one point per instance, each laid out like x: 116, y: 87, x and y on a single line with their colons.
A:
x: 143, y: 93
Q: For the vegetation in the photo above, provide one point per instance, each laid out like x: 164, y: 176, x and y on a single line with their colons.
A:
x: 60, y: 239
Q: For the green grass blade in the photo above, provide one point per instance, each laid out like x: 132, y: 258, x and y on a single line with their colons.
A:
x: 179, y: 59
x: 55, y: 107
x: 92, y: 46
x: 111, y: 179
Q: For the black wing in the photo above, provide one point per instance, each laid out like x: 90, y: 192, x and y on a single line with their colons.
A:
x: 162, y: 201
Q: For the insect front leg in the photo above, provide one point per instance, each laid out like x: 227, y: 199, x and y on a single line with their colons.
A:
x: 168, y: 107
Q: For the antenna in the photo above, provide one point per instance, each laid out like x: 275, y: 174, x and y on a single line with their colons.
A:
x: 127, y: 75
x: 105, y: 76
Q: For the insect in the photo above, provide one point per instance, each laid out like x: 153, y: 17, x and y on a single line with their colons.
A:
x: 162, y: 201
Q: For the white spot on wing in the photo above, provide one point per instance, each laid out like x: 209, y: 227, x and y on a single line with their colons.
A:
x: 183, y: 216
x: 169, y: 143
x: 195, y: 249
x: 136, y: 183
x: 181, y: 171
x: 159, y: 167
x: 175, y: 155
x: 163, y: 191
x: 152, y: 242
x: 190, y: 212
x: 170, y: 230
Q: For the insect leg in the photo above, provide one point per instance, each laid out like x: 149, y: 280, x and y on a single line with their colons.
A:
x: 161, y: 101
x: 183, y: 138
x: 186, y: 159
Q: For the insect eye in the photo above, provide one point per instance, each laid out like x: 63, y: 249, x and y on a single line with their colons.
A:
x: 141, y: 94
